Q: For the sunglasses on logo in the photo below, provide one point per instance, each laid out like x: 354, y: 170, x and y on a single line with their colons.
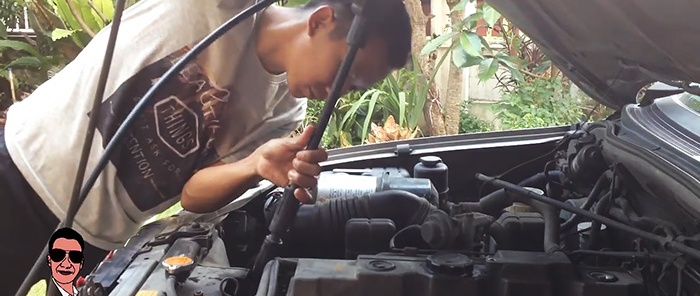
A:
x: 57, y: 255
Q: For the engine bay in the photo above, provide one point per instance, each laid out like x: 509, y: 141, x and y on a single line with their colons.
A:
x: 406, y: 231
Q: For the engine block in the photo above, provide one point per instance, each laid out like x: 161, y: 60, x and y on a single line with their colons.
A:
x: 506, y: 273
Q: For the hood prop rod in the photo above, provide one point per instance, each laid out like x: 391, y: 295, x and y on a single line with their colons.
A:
x: 77, y: 200
x: 286, y: 211
x: 665, y: 242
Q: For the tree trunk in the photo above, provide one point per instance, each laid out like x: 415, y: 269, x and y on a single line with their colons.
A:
x: 454, y: 95
x: 432, y: 109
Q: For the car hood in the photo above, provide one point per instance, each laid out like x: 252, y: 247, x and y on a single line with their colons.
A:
x: 612, y: 48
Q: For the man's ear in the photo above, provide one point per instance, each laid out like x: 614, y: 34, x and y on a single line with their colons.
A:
x: 322, y: 19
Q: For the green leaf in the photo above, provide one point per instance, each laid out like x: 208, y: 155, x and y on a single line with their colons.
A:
x: 471, y: 43
x: 491, y: 16
x: 64, y: 13
x: 487, y: 68
x: 435, y: 43
x: 353, y: 110
x: 20, y: 46
x: 472, y: 21
x: 26, y: 63
x: 462, y: 60
x: 517, y: 75
x: 368, y: 119
x: 106, y: 8
x: 544, y: 66
x: 88, y: 14
x: 60, y: 34
x: 461, y: 5
x: 3, y: 29
x: 510, y: 62
x: 402, y: 108
x: 83, y: 10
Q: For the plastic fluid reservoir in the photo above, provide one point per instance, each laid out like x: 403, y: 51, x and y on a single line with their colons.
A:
x: 340, y: 185
x: 432, y: 167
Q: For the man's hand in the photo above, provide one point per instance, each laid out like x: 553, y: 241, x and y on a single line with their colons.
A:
x: 284, y: 161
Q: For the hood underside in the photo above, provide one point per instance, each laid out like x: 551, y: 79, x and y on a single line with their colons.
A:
x: 612, y: 48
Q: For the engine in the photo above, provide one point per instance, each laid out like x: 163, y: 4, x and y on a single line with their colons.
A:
x: 385, y: 232
x: 397, y: 231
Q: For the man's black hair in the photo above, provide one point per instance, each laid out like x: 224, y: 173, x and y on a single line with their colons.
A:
x: 389, y: 21
x: 67, y: 233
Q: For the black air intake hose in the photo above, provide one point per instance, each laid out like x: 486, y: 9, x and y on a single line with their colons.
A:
x: 326, y: 222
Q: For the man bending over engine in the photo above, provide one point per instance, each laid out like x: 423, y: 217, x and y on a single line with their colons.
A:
x: 215, y: 131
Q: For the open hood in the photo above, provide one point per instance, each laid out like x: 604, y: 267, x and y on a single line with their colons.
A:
x: 612, y: 48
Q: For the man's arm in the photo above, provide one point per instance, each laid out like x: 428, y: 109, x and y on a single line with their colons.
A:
x: 281, y: 161
x: 212, y: 188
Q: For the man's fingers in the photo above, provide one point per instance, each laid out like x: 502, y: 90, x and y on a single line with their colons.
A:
x: 302, y: 140
x: 306, y: 168
x: 303, y: 195
x: 305, y: 181
x: 313, y: 156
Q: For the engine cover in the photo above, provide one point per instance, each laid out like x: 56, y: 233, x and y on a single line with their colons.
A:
x: 507, y: 273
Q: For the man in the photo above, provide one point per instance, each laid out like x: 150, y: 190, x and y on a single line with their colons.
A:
x: 216, y: 130
x: 65, y: 259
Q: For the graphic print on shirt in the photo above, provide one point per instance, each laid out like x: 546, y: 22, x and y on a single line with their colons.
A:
x: 172, y: 138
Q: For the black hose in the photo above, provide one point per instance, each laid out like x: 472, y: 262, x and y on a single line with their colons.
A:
x: 551, y: 224
x: 493, y: 203
x: 327, y: 221
x: 625, y: 255
x: 645, y: 222
x: 663, y: 241
x: 601, y: 208
x: 593, y: 197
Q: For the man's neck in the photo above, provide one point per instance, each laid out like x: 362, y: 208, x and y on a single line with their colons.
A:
x: 278, y: 28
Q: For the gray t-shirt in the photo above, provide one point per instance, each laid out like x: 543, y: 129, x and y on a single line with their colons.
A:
x: 221, y: 107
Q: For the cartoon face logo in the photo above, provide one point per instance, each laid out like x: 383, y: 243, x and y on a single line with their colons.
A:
x: 65, y: 258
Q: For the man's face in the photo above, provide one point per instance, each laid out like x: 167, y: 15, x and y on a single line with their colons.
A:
x: 65, y: 260
x: 318, y: 55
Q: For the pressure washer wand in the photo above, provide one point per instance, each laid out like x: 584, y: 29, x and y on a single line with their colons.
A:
x: 286, y: 212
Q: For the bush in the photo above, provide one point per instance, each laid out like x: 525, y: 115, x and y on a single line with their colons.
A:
x: 539, y: 102
x: 470, y: 123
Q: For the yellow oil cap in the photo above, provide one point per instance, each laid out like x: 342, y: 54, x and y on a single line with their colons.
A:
x: 178, y: 261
